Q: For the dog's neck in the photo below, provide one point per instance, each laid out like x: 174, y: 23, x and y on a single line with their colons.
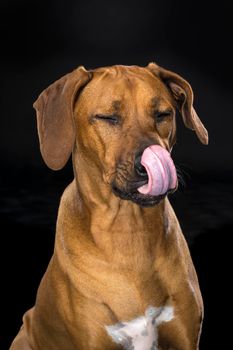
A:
x: 114, y: 235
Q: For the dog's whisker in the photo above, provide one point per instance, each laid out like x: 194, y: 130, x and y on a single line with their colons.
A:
x: 182, y: 174
x: 183, y: 169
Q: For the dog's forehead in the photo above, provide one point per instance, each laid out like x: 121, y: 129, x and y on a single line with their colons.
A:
x: 117, y: 85
x: 126, y: 78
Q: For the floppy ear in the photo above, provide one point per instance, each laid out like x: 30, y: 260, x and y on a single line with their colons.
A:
x: 183, y: 94
x: 54, y: 111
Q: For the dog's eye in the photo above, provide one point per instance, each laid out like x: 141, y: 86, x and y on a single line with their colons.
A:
x: 160, y: 116
x: 111, y: 119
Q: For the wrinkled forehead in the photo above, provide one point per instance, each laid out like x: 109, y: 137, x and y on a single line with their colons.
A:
x: 113, y: 88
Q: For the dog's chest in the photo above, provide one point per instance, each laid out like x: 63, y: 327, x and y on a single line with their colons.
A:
x: 129, y: 294
x: 128, y: 288
x: 142, y: 332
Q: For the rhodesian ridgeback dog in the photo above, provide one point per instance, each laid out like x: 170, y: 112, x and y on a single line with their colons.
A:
x: 121, y: 275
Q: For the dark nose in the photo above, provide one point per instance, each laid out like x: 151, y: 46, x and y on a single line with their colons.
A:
x: 139, y: 168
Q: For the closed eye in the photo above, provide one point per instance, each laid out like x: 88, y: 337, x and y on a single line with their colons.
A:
x: 161, y: 116
x: 111, y: 119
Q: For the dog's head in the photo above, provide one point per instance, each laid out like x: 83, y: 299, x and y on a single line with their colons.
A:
x: 121, y: 120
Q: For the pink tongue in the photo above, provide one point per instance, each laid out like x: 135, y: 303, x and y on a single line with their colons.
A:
x: 160, y: 169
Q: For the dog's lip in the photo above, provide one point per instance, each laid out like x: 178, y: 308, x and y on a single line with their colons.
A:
x: 143, y: 200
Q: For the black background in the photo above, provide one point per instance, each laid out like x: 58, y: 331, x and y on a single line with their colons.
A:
x: 41, y: 41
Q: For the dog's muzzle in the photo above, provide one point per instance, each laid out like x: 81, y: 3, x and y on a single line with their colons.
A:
x: 156, y: 177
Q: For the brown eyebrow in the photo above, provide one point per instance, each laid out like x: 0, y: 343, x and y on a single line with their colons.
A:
x: 154, y: 102
x: 116, y: 105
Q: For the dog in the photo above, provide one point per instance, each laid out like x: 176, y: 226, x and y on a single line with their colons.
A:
x: 119, y: 249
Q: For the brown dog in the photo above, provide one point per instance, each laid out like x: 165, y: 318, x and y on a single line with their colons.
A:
x: 119, y: 248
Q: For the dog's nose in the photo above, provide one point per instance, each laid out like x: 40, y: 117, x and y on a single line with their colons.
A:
x: 139, y: 168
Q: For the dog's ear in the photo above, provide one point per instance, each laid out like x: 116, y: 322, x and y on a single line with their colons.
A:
x: 183, y: 95
x: 54, y: 111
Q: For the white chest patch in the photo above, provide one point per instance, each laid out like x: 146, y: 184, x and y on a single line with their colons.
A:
x: 142, y: 332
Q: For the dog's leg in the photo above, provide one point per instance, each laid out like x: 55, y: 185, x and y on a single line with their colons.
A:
x: 20, y: 342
